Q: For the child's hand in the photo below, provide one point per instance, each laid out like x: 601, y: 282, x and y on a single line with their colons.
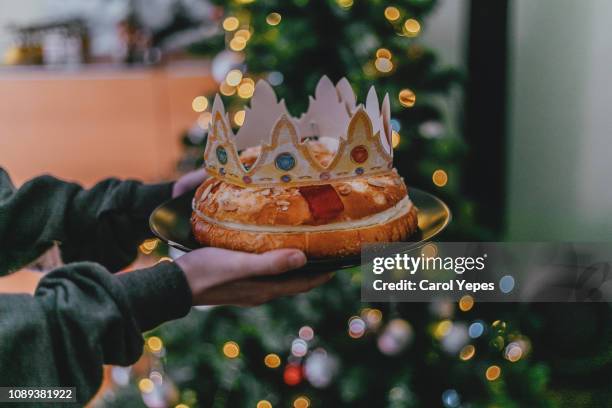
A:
x: 188, y: 182
x: 220, y: 276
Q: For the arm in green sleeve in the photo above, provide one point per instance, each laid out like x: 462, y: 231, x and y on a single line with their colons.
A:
x: 102, y: 224
x: 81, y: 317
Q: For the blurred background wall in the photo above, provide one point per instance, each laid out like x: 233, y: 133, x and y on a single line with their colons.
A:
x: 560, y: 121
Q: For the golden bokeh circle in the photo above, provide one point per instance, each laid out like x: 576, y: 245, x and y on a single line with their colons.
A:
x: 493, y: 373
x: 392, y: 13
x: 407, y: 98
x: 274, y: 19
x: 231, y: 349
x: 412, y: 27
x: 272, y: 360
x: 466, y: 303
x: 439, y: 178
x: 467, y: 352
x: 230, y: 23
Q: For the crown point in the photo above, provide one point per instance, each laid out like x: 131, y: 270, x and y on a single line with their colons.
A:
x: 346, y: 94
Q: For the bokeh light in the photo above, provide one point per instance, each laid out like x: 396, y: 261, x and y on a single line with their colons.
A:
x: 230, y: 23
x: 345, y: 3
x: 383, y: 65
x: 231, y: 349
x: 493, y: 373
x: 392, y: 13
x: 146, y: 385
x: 466, y: 303
x: 467, y: 352
x: 199, y: 103
x: 233, y: 77
x: 395, y: 139
x: 273, y: 19
x: 226, y: 89
x: 476, y: 329
x: 272, y: 360
x: 407, y: 98
x: 442, y: 329
x: 412, y: 27
x: 513, y: 352
x: 264, y: 404
x: 237, y: 44
x: 306, y: 333
x: 301, y: 402
x: 155, y: 344
x: 246, y: 88
x: 357, y: 327
x: 239, y: 117
x: 299, y: 348
x: 440, y: 178
x: 383, y: 53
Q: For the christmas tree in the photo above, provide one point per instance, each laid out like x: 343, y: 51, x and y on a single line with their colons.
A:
x: 326, y: 348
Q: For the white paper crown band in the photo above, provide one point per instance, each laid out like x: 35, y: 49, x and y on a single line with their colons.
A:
x: 363, y: 135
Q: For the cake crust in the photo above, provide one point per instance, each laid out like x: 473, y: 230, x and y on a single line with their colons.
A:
x: 320, y: 244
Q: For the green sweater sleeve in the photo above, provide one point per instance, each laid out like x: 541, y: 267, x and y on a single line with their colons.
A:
x: 103, y: 224
x: 81, y: 317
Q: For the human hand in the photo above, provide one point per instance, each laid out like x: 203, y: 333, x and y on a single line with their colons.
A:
x: 219, y: 276
x: 188, y: 182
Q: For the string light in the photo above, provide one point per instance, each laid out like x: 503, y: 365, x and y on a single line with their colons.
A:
x: 383, y: 53
x: 237, y: 44
x: 246, y: 88
x: 155, y: 344
x: 231, y: 349
x: 493, y: 373
x: 199, y: 104
x: 392, y: 13
x: 239, y: 117
x: 306, y: 333
x: 357, y: 327
x: 442, y: 329
x: 243, y: 33
x: 264, y: 404
x: 226, y: 89
x: 292, y: 375
x: 466, y: 303
x: 345, y: 3
x: 233, y: 77
x: 272, y: 360
x: 440, y: 178
x: 407, y: 98
x: 467, y: 352
x: 499, y: 326
x: 412, y: 28
x: 301, y: 402
x: 383, y: 65
x: 230, y: 23
x: 395, y: 139
x: 513, y: 352
x: 273, y: 19
x: 146, y: 385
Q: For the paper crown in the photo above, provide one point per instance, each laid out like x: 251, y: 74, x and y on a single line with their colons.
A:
x: 363, y: 135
